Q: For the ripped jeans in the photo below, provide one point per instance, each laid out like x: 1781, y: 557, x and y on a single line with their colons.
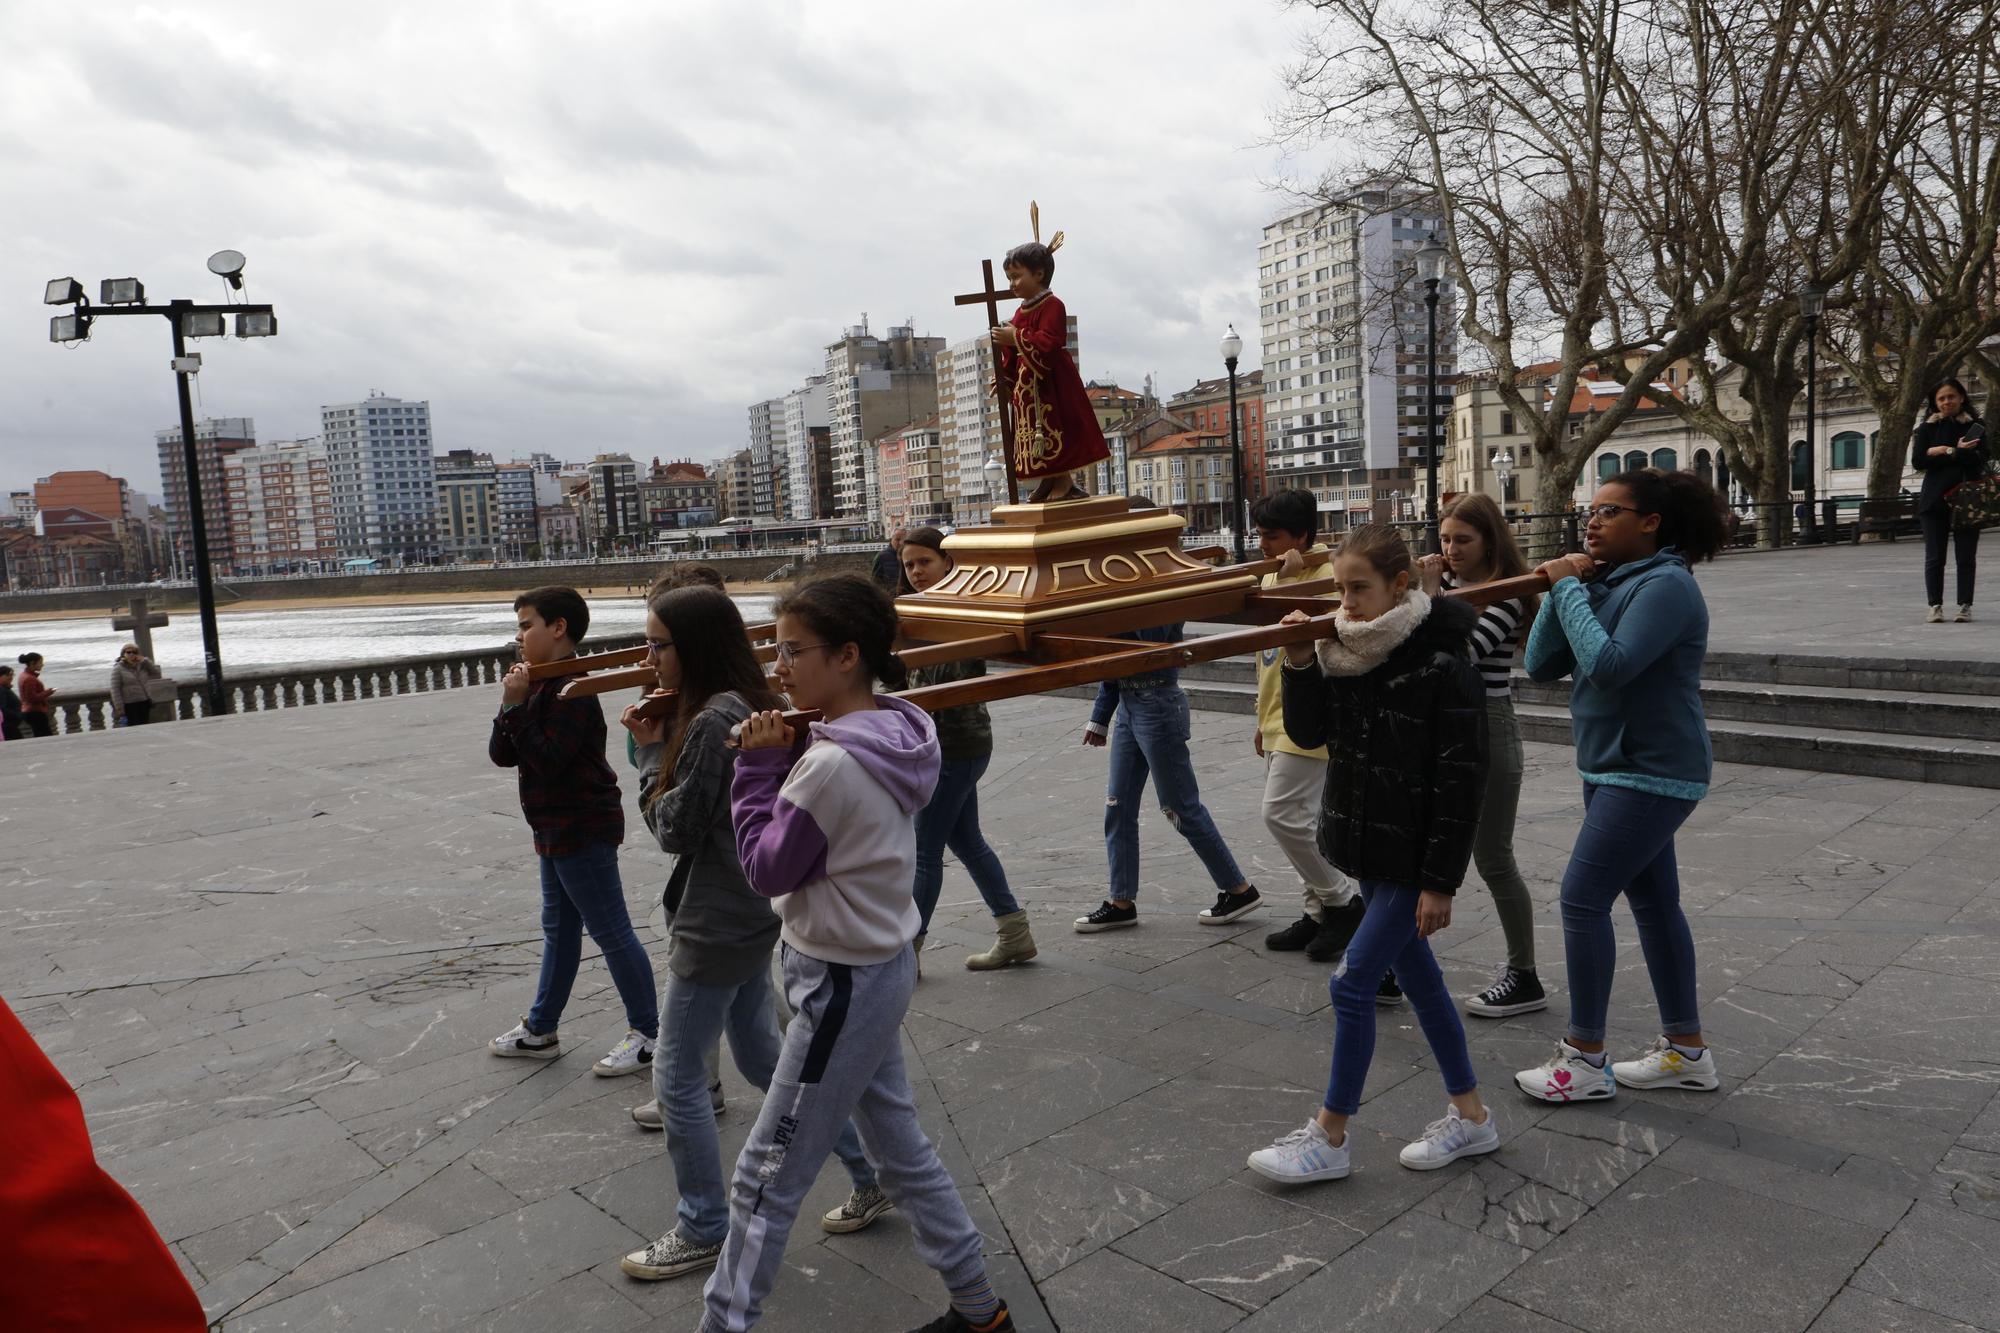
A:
x: 1150, y: 736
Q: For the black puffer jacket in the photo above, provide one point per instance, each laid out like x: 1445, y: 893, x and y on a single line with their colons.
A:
x: 1406, y: 754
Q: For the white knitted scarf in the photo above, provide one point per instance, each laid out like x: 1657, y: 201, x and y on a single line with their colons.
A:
x: 1362, y: 645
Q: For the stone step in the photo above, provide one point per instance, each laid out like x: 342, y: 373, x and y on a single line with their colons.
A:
x: 1822, y: 749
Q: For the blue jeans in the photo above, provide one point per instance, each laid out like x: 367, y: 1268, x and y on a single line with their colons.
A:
x: 696, y: 1016
x: 1388, y: 939
x: 1626, y: 846
x: 582, y: 891
x: 952, y: 820
x: 1151, y: 736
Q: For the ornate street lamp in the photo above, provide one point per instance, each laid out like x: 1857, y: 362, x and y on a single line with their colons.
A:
x: 1232, y: 348
x: 1503, y: 467
x: 1812, y: 300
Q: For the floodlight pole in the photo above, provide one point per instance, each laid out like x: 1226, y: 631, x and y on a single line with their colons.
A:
x: 204, y: 578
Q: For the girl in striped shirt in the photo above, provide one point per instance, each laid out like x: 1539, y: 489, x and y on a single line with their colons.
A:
x: 1479, y: 548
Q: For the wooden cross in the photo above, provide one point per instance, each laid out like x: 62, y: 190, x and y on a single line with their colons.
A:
x: 141, y: 625
x: 991, y: 298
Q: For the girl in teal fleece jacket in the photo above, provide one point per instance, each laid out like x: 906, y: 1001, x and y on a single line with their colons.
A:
x: 1628, y: 625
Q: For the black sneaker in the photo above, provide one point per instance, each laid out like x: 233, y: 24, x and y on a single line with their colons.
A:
x: 1228, y: 906
x: 1389, y: 994
x: 1511, y: 993
x: 1108, y: 916
x: 951, y: 1321
x: 1336, y: 928
x: 1293, y: 937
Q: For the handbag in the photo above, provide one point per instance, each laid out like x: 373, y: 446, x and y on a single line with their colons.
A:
x: 1975, y: 503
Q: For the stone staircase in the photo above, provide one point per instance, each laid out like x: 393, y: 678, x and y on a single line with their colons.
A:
x: 1925, y: 721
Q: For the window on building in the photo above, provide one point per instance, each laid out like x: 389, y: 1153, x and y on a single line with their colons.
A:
x: 1506, y: 422
x: 1849, y: 450
x: 1801, y: 467
x: 1664, y: 460
x: 1704, y: 467
x: 1635, y: 460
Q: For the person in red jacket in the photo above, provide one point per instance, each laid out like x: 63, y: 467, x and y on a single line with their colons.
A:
x: 65, y: 1224
x: 35, y: 712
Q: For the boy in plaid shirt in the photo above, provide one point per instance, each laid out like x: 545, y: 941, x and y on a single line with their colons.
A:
x: 570, y: 798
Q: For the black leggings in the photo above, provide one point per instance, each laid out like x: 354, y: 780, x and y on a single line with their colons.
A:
x: 39, y: 724
x: 1965, y: 553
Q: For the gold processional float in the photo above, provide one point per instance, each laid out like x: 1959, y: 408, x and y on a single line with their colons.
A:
x: 1047, y: 586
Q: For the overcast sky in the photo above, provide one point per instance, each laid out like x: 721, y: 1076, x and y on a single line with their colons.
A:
x: 607, y: 227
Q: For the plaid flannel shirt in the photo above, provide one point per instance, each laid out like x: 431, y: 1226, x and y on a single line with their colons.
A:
x: 568, y: 792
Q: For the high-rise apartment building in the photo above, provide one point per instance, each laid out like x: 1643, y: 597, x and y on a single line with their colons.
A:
x: 874, y: 385
x: 515, y: 483
x: 215, y: 438
x: 280, y: 506
x: 384, y: 478
x: 767, y: 459
x: 806, y: 470
x: 1342, y: 322
x: 610, y: 513
x: 468, y: 504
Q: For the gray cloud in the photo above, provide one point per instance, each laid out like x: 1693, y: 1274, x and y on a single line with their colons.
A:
x: 607, y: 227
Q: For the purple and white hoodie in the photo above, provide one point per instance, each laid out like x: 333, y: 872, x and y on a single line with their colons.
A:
x: 830, y: 832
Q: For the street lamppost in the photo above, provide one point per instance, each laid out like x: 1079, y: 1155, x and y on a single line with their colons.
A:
x: 187, y: 319
x: 1430, y: 267
x: 995, y: 472
x: 1503, y: 468
x: 1812, y: 299
x: 1232, y: 347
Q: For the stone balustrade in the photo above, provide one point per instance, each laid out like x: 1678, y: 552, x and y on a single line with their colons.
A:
x: 262, y: 691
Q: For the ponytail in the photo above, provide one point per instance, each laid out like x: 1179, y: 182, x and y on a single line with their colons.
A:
x: 847, y: 608
x: 1691, y: 513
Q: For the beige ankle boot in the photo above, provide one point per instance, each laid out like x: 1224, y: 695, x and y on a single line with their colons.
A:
x: 1014, y: 944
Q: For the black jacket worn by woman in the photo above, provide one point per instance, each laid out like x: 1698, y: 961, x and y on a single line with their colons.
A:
x: 1945, y: 471
x: 1406, y: 754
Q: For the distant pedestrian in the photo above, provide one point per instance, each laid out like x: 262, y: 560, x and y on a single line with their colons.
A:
x: 11, y: 728
x: 889, y: 562
x: 1632, y: 640
x: 1949, y: 448
x: 35, y: 713
x: 131, y: 704
x: 1479, y: 548
x: 569, y: 796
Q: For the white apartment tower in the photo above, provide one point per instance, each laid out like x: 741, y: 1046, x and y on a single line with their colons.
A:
x: 873, y: 386
x: 1342, y: 319
x: 805, y: 412
x: 767, y: 457
x: 384, y: 480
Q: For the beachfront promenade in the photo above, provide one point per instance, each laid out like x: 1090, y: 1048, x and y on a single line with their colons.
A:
x: 268, y: 950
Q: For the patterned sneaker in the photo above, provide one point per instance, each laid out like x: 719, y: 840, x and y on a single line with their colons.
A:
x: 862, y: 1209
x: 1447, y: 1140
x: 670, y: 1256
x: 519, y: 1043
x: 1567, y: 1077
x: 1664, y: 1067
x: 951, y: 1321
x: 1108, y: 916
x: 1301, y: 1157
x: 1228, y: 906
x: 632, y: 1055
x: 1511, y: 993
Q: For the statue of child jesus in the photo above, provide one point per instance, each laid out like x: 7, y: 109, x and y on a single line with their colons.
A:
x: 1055, y: 430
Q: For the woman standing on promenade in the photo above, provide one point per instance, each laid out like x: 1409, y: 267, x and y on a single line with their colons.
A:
x: 1632, y: 639
x: 36, y: 719
x: 131, y: 705
x: 1949, y: 448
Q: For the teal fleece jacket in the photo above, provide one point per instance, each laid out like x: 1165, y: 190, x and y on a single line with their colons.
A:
x: 1634, y: 641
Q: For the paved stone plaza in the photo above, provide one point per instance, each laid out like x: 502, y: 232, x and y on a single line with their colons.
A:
x: 268, y: 951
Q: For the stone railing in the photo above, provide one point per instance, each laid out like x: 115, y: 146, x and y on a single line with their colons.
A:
x: 262, y: 691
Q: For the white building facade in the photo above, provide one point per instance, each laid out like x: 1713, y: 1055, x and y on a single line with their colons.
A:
x: 384, y: 478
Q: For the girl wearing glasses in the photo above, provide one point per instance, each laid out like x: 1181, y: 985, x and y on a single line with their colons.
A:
x: 826, y: 825
x: 719, y: 966
x: 1632, y: 640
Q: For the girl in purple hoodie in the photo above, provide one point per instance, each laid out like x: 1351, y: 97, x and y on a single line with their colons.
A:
x: 825, y: 827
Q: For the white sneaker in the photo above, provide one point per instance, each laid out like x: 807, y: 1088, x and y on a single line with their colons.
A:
x: 519, y: 1043
x: 1451, y: 1138
x: 632, y: 1055
x: 1936, y: 617
x: 1964, y: 616
x: 649, y: 1116
x: 1664, y: 1067
x: 1301, y: 1157
x: 1567, y: 1077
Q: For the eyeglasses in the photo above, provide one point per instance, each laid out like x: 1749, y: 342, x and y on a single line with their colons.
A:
x: 1607, y: 512
x: 658, y: 646
x: 787, y: 652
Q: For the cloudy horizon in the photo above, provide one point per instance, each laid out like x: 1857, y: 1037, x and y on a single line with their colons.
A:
x: 610, y: 229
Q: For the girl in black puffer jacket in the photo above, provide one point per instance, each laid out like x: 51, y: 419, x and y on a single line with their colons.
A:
x: 1397, y: 702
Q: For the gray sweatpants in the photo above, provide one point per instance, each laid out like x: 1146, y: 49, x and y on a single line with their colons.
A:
x: 843, y: 1056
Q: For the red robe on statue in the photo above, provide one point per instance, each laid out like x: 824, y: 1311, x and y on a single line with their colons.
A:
x: 1055, y: 429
